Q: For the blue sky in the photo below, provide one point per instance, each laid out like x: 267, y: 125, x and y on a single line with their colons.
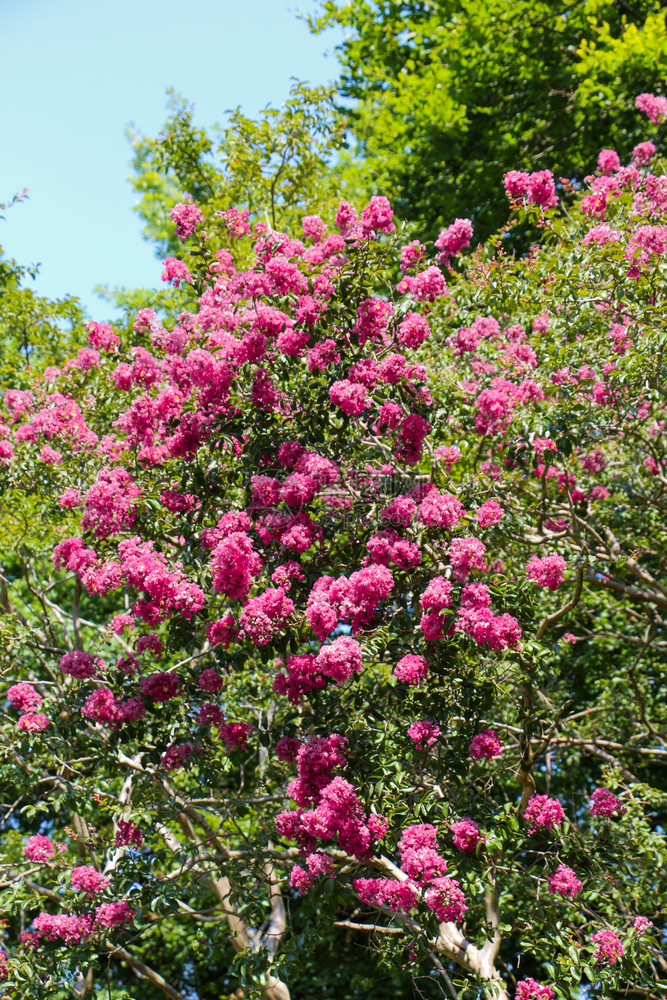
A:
x: 75, y: 73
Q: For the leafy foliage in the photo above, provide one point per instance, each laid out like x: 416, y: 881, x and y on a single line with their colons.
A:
x: 449, y: 96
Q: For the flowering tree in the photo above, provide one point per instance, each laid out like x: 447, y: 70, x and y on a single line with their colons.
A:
x: 333, y: 616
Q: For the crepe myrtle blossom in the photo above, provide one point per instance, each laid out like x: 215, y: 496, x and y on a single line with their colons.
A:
x: 608, y: 947
x: 411, y: 669
x: 529, y: 989
x: 39, y: 848
x: 564, y: 882
x: 423, y: 733
x: 24, y: 697
x: 604, y: 803
x: 547, y: 571
x: 642, y: 925
x: 33, y: 722
x: 543, y: 813
x: 466, y: 835
x: 486, y: 745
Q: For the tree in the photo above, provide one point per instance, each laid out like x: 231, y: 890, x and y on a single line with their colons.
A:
x: 34, y: 330
x: 449, y: 96
x: 333, y: 617
x: 277, y: 166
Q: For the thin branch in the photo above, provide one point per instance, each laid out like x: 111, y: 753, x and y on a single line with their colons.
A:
x: 144, y: 971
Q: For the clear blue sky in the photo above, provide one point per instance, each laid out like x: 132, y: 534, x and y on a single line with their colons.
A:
x: 75, y: 73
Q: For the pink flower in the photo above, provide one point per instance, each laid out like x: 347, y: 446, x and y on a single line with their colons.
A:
x: 389, y: 892
x: 441, y: 510
x: 69, y: 929
x: 608, y: 946
x: 411, y: 255
x: 486, y: 745
x: 413, y: 330
x: 608, y: 161
x: 32, y: 723
x: 101, y: 335
x: 466, y: 555
x: 88, y: 880
x: 24, y: 697
x: 113, y: 914
x: 222, y: 632
x: 187, y: 217
x: 453, y: 240
x: 534, y: 189
x: 423, y: 733
x: 411, y: 669
x: 446, y: 899
x: 78, y: 664
x: 175, y: 271
x: 543, y: 813
x: 642, y: 925
x: 38, y: 848
x: 466, y: 835
x: 314, y: 228
x: 528, y: 989
x: 287, y: 748
x: 340, y: 659
x: 161, y: 686
x: 564, y: 882
x: 547, y: 571
x: 604, y: 803
x: 210, y: 680
x: 350, y: 397
x: 266, y: 614
x: 643, y: 153
x: 235, y: 734
x: 655, y: 108
x: 489, y: 513
x: 377, y: 216
x: 318, y: 864
x: 127, y: 834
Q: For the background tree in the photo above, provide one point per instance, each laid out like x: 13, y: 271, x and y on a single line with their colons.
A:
x: 34, y: 331
x: 449, y: 96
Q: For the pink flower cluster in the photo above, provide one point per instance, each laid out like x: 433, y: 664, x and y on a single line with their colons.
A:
x: 335, y: 813
x: 127, y: 834
x: 604, y: 803
x: 466, y: 835
x: 543, y: 813
x: 564, y: 882
x: 547, y: 571
x: 538, y: 188
x: 39, y: 848
x: 317, y: 865
x: 264, y: 615
x: 353, y: 600
x: 88, y: 880
x: 411, y: 669
x: 453, y: 240
x: 424, y: 868
x: 71, y: 929
x: 486, y: 745
x: 529, y: 989
x: 489, y: 513
x: 655, y: 108
x: 187, y: 217
x: 423, y: 733
x: 24, y: 697
x: 608, y: 947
